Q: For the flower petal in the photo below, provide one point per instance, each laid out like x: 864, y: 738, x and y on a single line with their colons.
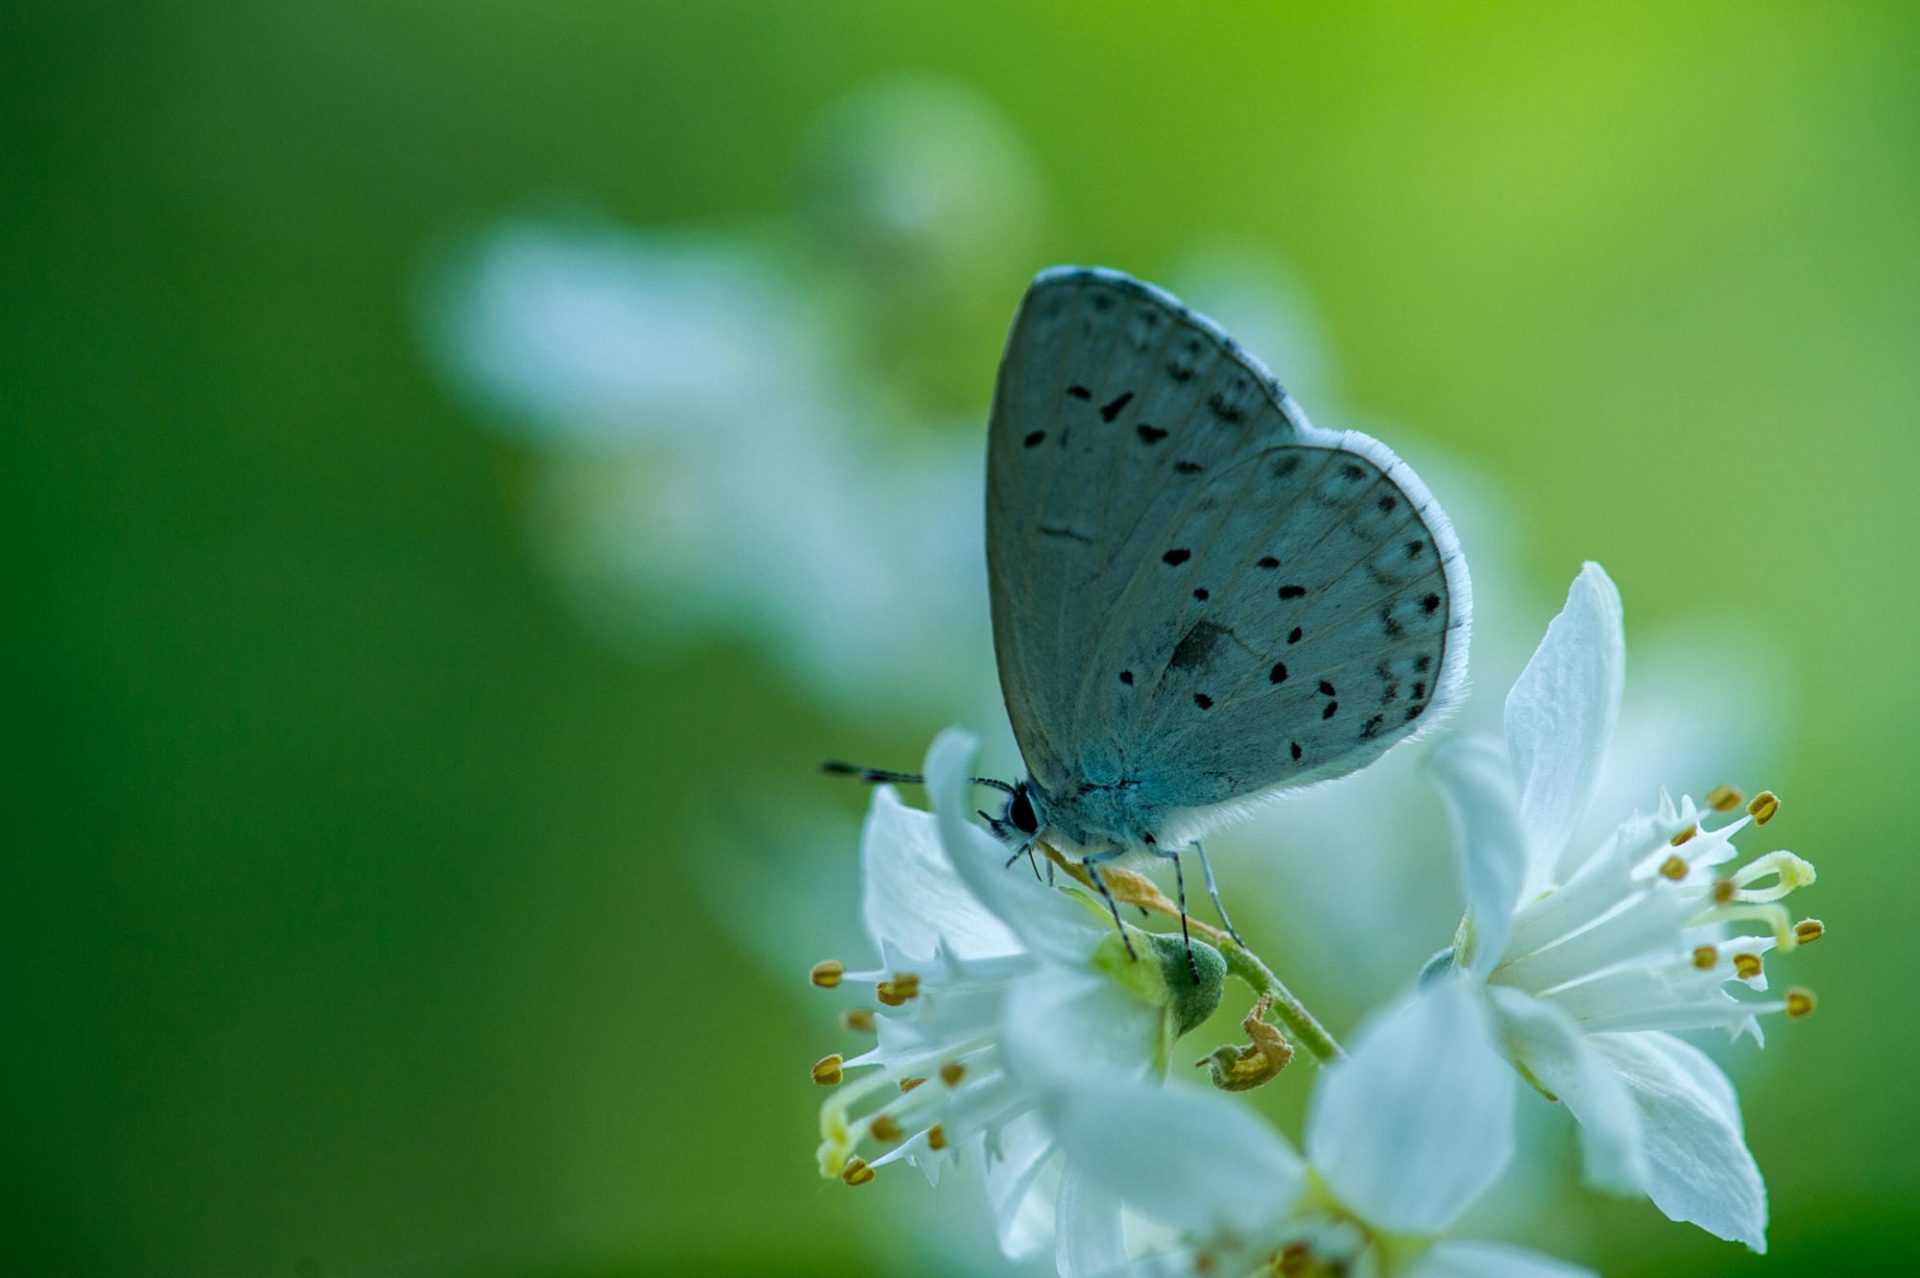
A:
x: 1546, y: 1043
x: 1060, y: 1026
x: 1087, y: 1239
x: 1014, y: 1171
x: 1418, y: 1121
x: 1045, y: 919
x: 1699, y: 1169
x: 1561, y: 714
x: 1491, y: 1260
x: 909, y: 894
x: 1488, y: 839
x: 1193, y: 1160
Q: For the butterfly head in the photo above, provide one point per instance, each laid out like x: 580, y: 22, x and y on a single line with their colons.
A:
x: 1020, y: 817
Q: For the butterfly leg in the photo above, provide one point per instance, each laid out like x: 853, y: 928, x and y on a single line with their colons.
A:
x: 1213, y: 891
x: 1092, y: 865
x: 1026, y: 850
x: 1180, y: 885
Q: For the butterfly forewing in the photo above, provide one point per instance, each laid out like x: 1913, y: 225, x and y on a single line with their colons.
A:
x: 1182, y: 566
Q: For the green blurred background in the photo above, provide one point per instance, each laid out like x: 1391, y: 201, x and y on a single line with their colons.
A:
x: 356, y: 914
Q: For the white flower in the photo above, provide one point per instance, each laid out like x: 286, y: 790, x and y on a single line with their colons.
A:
x: 991, y: 985
x: 1402, y: 1136
x: 1590, y: 955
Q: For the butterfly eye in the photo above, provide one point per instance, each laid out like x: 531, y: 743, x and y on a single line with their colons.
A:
x: 1020, y: 812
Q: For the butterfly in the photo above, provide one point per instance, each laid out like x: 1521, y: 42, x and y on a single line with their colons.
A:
x: 1200, y: 600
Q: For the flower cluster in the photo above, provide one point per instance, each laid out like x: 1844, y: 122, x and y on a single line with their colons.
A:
x: 1013, y: 1032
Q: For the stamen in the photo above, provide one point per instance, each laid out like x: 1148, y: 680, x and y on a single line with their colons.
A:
x: 1674, y: 867
x: 1807, y: 931
x: 936, y: 1138
x: 1746, y: 966
x: 903, y: 986
x: 1684, y: 836
x: 858, y: 1019
x: 827, y: 973
x: 856, y: 1172
x: 1724, y: 798
x: 1764, y: 805
x: 952, y: 1072
x: 908, y: 1084
x: 884, y: 1128
x: 1799, y: 1003
x: 826, y: 1070
x: 1705, y: 956
x: 1293, y: 1259
x: 1723, y: 891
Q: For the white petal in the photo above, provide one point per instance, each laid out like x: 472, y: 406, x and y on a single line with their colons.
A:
x: 1012, y: 1172
x: 1561, y: 714
x: 1477, y: 783
x: 1193, y: 1160
x: 1491, y: 1260
x: 910, y: 895
x: 1546, y: 1043
x: 1087, y: 1239
x: 1416, y: 1123
x: 1060, y: 1026
x: 1699, y: 1169
x: 1045, y: 919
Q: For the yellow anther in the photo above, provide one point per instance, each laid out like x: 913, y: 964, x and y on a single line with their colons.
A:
x: 1807, y: 931
x: 856, y: 1172
x: 1724, y: 798
x: 1674, y: 867
x: 903, y: 986
x: 827, y: 973
x: 952, y: 1072
x: 1723, y: 890
x: 1746, y: 966
x: 826, y: 1070
x: 908, y: 1084
x: 884, y: 1128
x: 1799, y: 1003
x: 1684, y: 836
x: 1293, y: 1259
x: 1705, y: 956
x: 858, y: 1019
x: 936, y: 1138
x: 1764, y: 805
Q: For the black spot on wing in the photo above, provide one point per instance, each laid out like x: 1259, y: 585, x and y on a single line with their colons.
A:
x: 1152, y: 435
x: 1111, y: 410
x: 1033, y: 438
x: 1268, y: 561
x: 1126, y: 677
x: 1202, y: 700
x: 1079, y: 392
x: 1292, y: 592
x: 1293, y: 635
x: 1178, y: 555
x: 1278, y: 674
x: 1187, y: 467
x: 1225, y: 409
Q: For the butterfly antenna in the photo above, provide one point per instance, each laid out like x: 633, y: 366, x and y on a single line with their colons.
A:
x: 885, y: 776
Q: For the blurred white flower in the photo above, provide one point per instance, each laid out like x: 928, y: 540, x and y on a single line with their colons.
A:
x: 1402, y: 1136
x: 991, y: 984
x: 1590, y: 954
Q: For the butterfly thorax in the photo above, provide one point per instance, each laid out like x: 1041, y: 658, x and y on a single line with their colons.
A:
x: 1092, y: 818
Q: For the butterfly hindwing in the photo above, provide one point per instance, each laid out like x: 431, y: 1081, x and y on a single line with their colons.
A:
x: 1181, y: 565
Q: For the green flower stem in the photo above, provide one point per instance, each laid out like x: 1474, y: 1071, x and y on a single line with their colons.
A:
x: 1289, y: 1010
